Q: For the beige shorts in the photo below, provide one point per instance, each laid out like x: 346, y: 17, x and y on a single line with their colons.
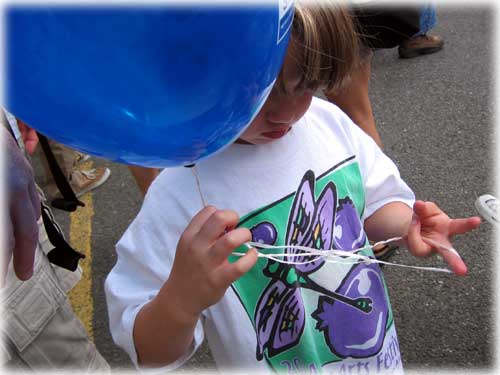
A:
x: 40, y: 331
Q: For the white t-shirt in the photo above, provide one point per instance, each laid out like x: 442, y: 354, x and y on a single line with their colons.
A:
x: 314, y: 187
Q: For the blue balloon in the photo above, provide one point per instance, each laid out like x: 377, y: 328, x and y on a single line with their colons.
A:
x: 152, y: 86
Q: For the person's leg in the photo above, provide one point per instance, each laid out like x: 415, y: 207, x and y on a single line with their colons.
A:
x: 62, y: 343
x: 422, y: 43
x: 355, y: 101
x: 66, y: 158
x: 40, y: 330
x: 80, y: 178
x: 84, y: 180
x: 428, y: 19
x: 143, y: 176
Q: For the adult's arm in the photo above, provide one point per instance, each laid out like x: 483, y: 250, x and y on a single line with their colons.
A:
x: 23, y: 203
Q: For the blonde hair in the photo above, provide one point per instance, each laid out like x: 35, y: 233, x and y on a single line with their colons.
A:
x: 324, y: 44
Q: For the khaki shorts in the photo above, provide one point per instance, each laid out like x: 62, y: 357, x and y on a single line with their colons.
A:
x: 40, y: 330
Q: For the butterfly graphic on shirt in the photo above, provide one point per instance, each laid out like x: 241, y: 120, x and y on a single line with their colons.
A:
x: 280, y: 316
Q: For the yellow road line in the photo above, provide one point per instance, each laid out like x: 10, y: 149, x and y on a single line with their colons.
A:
x: 80, y: 236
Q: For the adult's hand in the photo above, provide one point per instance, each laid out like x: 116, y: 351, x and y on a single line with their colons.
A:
x: 23, y: 211
x: 29, y: 136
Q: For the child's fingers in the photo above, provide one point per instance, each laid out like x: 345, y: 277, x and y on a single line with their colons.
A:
x: 215, y: 227
x: 231, y: 272
x: 453, y: 260
x: 418, y: 206
x: 194, y: 226
x: 416, y: 245
x: 228, y: 243
x: 197, y: 222
x: 426, y: 209
x: 461, y: 226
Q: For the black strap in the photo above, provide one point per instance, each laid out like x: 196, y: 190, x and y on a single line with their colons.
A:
x: 69, y: 202
x: 62, y: 255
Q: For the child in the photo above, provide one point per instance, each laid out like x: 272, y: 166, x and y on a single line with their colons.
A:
x: 300, y: 174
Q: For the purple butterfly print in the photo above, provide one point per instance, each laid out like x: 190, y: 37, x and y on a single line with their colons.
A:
x: 311, y: 223
x: 280, y: 300
x: 280, y: 313
x: 279, y: 320
x: 348, y: 331
x: 348, y: 233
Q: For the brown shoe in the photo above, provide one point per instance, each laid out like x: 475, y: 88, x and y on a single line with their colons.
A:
x: 420, y: 45
x: 83, y: 181
x: 80, y: 158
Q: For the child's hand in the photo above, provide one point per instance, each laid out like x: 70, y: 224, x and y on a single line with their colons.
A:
x: 430, y: 222
x: 201, y: 272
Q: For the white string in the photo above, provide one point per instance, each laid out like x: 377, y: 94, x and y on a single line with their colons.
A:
x: 329, y: 255
x: 440, y: 245
x: 346, y: 257
x: 197, y: 177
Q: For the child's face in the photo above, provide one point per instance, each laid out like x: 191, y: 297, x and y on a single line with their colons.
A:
x: 281, y: 109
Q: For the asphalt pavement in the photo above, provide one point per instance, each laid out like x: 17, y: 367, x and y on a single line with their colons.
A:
x: 435, y: 117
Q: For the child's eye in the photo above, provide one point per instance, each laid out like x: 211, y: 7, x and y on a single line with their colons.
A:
x: 281, y: 89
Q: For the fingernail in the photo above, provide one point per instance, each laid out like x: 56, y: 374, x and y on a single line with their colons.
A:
x: 414, y: 219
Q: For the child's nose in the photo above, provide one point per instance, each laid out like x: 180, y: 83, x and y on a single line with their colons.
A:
x: 278, y: 118
x: 283, y: 114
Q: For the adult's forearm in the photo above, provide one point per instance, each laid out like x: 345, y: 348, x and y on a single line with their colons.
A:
x: 354, y: 99
x: 162, y: 333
